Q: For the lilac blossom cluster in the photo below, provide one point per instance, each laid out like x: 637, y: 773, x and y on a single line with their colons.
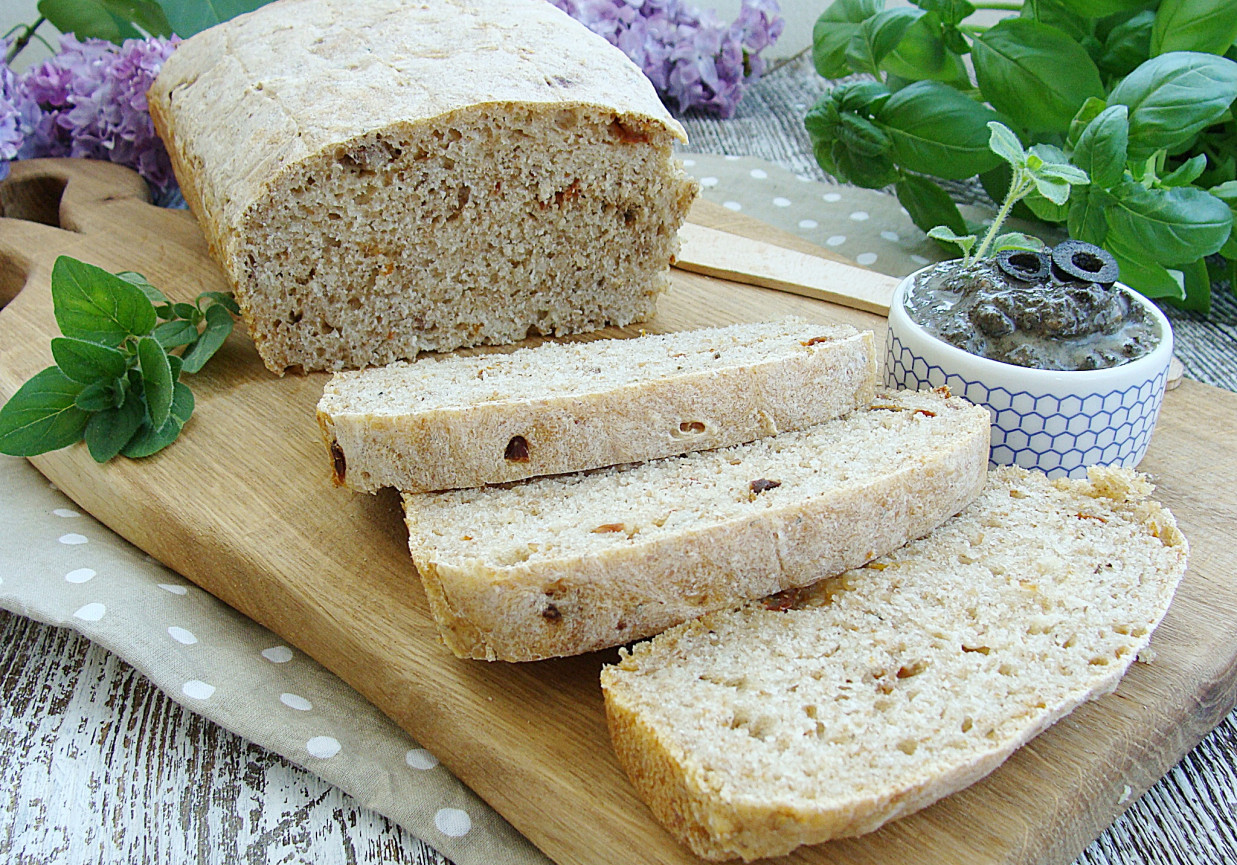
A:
x: 692, y: 58
x: 88, y: 100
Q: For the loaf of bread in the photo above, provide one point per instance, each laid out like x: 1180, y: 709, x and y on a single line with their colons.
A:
x: 556, y: 408
x: 827, y: 712
x: 385, y: 177
x: 568, y: 564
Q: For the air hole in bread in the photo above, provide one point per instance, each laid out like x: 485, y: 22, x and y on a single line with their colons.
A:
x: 692, y: 426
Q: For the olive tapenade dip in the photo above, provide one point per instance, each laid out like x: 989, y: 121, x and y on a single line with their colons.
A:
x: 1058, y: 309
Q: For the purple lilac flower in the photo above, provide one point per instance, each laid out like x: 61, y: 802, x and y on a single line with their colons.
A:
x: 18, y: 116
x: 91, y: 98
x: 693, y: 60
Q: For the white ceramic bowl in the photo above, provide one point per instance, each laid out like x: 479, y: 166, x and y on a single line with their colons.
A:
x: 1059, y: 422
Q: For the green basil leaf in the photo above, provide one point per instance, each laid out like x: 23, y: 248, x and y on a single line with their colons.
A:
x: 174, y: 333
x: 1177, y: 224
x: 951, y: 12
x: 928, y: 204
x: 110, y: 430
x: 102, y: 395
x: 1052, y: 13
x: 1087, y: 220
x: 1187, y: 172
x: 1197, y: 285
x: 938, y: 131
x: 1034, y: 72
x: 149, y: 440
x: 1101, y: 8
x: 877, y: 37
x: 98, y: 306
x: 1046, y: 209
x: 924, y: 52
x: 1052, y: 189
x: 1090, y: 109
x: 156, y: 379
x: 1143, y: 274
x: 1173, y: 97
x: 1128, y: 44
x: 85, y: 361
x: 228, y: 301
x: 1056, y: 165
x: 42, y: 416
x: 1226, y: 192
x: 87, y: 19
x: 1101, y: 149
x: 218, y: 326
x: 833, y: 31
x: 1194, y: 25
x: 146, y: 14
x: 188, y: 17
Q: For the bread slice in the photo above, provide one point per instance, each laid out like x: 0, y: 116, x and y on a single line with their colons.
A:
x: 563, y: 565
x: 469, y: 421
x: 827, y: 712
x: 386, y: 177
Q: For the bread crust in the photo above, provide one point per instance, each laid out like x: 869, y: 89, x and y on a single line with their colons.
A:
x: 569, y: 604
x: 598, y: 421
x: 260, y: 111
x: 719, y: 818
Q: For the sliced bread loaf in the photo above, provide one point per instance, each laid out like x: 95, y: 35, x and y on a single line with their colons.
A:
x: 469, y: 421
x: 829, y: 711
x: 567, y: 564
x: 382, y: 178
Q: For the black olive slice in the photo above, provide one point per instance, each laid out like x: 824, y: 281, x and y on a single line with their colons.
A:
x: 1024, y: 265
x: 1084, y: 262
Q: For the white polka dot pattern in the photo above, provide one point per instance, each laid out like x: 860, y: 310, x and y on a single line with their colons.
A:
x: 453, y: 822
x: 323, y: 747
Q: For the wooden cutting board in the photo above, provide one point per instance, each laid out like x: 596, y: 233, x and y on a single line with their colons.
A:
x: 243, y: 505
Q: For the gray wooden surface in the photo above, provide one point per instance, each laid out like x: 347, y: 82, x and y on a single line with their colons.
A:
x: 98, y: 766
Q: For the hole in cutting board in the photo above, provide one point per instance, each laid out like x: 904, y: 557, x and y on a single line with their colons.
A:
x: 34, y: 199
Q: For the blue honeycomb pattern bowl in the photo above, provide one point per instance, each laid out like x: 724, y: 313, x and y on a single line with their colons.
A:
x: 1058, y: 422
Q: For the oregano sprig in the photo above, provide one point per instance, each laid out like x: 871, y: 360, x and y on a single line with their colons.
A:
x: 116, y: 381
x: 1041, y: 169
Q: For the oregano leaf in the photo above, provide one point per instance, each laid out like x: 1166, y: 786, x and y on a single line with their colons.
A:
x: 102, y: 395
x: 87, y: 362
x: 109, y: 431
x: 218, y: 326
x: 42, y: 415
x: 98, y: 306
x: 174, y: 333
x: 156, y: 379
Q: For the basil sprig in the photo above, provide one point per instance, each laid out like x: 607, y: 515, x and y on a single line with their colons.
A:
x: 116, y: 381
x: 1139, y: 94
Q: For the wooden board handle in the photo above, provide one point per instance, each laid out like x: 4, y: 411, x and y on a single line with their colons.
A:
x: 754, y: 262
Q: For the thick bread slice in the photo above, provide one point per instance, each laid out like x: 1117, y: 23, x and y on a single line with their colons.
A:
x: 385, y: 177
x: 828, y: 712
x: 469, y: 421
x: 564, y: 565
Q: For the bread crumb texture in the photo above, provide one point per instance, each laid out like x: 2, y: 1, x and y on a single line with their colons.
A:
x: 383, y: 178
x: 468, y: 421
x: 567, y: 564
x: 868, y: 696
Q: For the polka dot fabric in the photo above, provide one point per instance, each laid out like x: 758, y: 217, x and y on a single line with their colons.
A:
x: 865, y: 225
x: 60, y: 566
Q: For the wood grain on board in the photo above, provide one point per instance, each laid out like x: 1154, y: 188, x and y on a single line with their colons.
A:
x: 243, y: 505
